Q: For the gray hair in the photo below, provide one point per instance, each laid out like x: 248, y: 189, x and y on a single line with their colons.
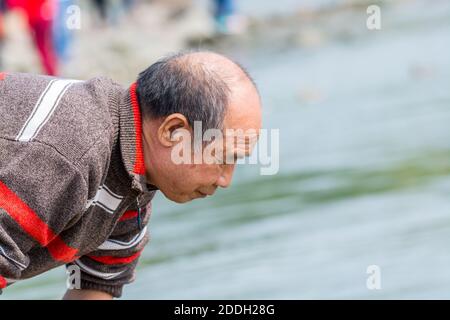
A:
x: 174, y: 84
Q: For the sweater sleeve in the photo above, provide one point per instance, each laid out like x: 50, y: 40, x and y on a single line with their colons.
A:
x: 113, y: 264
x: 40, y: 194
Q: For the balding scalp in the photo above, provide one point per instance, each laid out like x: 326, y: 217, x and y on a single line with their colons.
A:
x: 195, y: 84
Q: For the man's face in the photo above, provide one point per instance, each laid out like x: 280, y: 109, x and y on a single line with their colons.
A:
x: 212, y: 165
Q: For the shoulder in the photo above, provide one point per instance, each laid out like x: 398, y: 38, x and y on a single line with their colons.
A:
x: 74, y: 118
x: 83, y: 119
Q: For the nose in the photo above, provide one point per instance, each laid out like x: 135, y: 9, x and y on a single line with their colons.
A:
x: 226, y: 176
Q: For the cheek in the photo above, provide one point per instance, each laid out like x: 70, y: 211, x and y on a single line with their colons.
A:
x: 210, y: 173
x: 202, y: 174
x: 188, y: 178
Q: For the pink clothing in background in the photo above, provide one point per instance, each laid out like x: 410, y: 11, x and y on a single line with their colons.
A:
x: 40, y: 15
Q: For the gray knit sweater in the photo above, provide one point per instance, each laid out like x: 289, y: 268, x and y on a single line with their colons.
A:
x: 72, y: 180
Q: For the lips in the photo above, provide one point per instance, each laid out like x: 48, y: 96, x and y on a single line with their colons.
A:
x: 205, y: 194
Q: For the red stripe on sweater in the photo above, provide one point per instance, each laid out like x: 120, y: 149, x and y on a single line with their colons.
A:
x: 2, y: 76
x: 128, y: 215
x: 116, y: 260
x: 33, y: 225
x: 3, y: 282
x: 139, y: 165
x: 62, y: 252
x: 25, y: 216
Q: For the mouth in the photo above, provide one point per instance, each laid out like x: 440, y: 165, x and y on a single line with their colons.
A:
x: 203, y: 194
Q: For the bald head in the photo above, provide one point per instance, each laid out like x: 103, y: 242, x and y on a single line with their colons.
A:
x: 200, y: 85
x: 229, y: 71
x: 176, y: 93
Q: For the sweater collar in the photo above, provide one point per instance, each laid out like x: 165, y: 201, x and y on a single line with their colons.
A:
x: 130, y: 137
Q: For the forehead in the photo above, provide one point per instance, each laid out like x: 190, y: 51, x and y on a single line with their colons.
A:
x: 244, y: 109
x: 242, y: 121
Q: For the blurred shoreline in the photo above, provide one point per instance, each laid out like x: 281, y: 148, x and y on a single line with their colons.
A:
x: 155, y: 28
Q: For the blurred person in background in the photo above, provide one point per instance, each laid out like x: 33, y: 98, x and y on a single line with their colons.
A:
x: 40, y: 16
x: 109, y: 12
x: 226, y: 18
x: 62, y: 35
x: 2, y: 30
x: 101, y: 6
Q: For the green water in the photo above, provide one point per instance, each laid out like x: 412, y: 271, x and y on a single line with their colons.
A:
x: 364, y: 176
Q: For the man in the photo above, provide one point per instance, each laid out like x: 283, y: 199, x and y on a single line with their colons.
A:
x: 81, y: 161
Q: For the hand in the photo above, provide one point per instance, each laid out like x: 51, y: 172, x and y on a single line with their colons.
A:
x: 81, y: 294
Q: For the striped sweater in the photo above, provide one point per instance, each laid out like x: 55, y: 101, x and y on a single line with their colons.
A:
x: 72, y: 180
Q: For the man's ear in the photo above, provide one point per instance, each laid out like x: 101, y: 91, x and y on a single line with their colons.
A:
x: 168, y: 126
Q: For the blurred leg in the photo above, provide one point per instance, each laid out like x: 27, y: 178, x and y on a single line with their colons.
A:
x: 102, y: 8
x: 2, y: 36
x: 227, y: 19
x: 43, y: 38
x: 224, y: 8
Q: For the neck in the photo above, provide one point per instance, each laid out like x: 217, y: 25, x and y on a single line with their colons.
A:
x: 148, y: 150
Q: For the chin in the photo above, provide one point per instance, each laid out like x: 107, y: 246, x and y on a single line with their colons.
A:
x: 182, y: 200
x: 178, y: 198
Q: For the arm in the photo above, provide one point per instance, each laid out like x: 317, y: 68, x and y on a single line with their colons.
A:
x: 36, y: 203
x: 113, y: 264
x: 86, y: 295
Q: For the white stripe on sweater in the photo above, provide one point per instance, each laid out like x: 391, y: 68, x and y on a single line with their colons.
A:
x: 106, y: 199
x: 101, y: 275
x: 112, y: 244
x: 18, y: 264
x: 44, y: 108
